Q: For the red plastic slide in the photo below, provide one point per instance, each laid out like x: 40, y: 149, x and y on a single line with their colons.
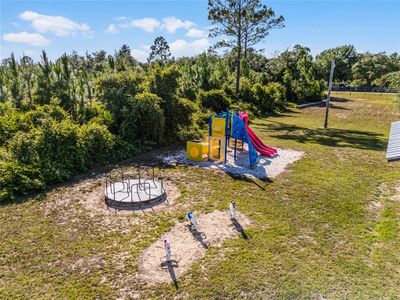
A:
x: 255, y: 140
x: 259, y: 145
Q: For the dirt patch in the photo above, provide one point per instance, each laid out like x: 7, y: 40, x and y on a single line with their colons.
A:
x: 267, y: 168
x: 86, y: 197
x: 189, y: 246
x: 396, y: 195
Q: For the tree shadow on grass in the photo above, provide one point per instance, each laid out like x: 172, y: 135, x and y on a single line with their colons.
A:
x: 331, y: 137
x: 339, y: 99
x: 334, y: 106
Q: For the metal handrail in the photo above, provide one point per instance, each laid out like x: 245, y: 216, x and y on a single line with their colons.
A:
x: 138, y: 189
x: 110, y: 183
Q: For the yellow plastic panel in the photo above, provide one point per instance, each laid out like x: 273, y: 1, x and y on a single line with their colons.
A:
x: 196, y: 151
x: 218, y: 127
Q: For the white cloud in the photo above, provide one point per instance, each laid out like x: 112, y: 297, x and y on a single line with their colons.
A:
x: 58, y: 25
x: 34, y: 39
x: 140, y: 55
x: 171, y: 24
x: 111, y: 28
x: 184, y: 48
x: 147, y: 24
x: 196, y: 33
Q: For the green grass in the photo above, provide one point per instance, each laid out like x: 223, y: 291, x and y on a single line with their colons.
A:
x: 329, y: 227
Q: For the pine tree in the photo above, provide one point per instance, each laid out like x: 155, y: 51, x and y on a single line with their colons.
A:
x: 44, y: 81
x: 15, y: 85
x: 246, y: 22
x: 159, y: 51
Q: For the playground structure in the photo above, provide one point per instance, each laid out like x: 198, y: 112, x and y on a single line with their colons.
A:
x: 222, y: 128
x: 126, y: 192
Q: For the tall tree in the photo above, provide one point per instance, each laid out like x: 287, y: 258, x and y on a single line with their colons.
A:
x: 370, y: 67
x: 3, y: 83
x: 27, y: 72
x: 124, y: 59
x: 15, y: 86
x: 159, y: 51
x: 245, y: 22
x: 44, y: 80
x: 258, y: 21
x: 345, y: 57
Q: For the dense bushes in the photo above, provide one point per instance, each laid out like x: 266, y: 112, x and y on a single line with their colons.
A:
x: 52, y: 152
x: 113, y: 90
x: 143, y: 119
x: 164, y: 83
x: 96, y: 144
x: 269, y: 98
x: 8, y: 121
x: 216, y: 100
x: 17, y: 179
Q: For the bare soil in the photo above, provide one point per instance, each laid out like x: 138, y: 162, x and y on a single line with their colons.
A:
x: 87, y: 197
x: 188, y: 246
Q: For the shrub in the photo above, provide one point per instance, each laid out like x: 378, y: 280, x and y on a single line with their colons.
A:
x: 97, y: 113
x: 53, y: 148
x: 163, y: 81
x: 143, y: 119
x: 216, y: 100
x: 24, y: 147
x: 308, y: 90
x: 9, y: 118
x: 185, y: 116
x: 53, y: 153
x: 17, y: 179
x: 246, y: 93
x: 269, y: 98
x: 41, y: 114
x: 96, y: 144
x: 114, y: 90
x: 177, y: 112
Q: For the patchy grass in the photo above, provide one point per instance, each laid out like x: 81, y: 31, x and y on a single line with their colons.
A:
x: 326, y: 228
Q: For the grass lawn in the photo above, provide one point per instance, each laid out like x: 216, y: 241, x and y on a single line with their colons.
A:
x: 326, y: 228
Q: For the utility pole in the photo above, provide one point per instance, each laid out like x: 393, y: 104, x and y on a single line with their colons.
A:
x: 328, y: 99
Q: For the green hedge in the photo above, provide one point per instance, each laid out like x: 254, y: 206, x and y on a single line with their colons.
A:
x: 143, y: 120
x: 216, y: 100
x: 52, y: 153
x: 269, y: 98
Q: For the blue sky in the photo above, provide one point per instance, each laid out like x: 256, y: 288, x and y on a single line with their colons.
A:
x: 62, y: 26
